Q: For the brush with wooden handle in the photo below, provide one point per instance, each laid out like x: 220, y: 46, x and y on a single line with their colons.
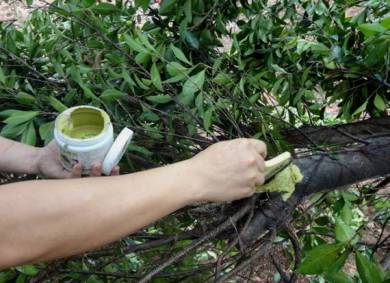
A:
x: 276, y: 165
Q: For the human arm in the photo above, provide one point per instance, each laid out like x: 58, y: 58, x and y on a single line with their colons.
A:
x: 20, y: 158
x: 48, y: 219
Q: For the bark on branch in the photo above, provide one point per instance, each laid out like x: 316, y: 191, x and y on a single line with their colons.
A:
x: 324, y: 172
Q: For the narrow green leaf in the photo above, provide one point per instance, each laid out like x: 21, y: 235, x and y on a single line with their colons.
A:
x: 361, y: 108
x: 104, y: 8
x: 192, y: 39
x: 25, y: 98
x: 222, y: 79
x: 110, y: 95
x: 369, y: 271
x: 194, y: 83
x: 88, y: 92
x: 155, y: 76
x: 207, y: 118
x: 339, y: 277
x: 346, y: 213
x: 21, y: 117
x: 140, y: 149
x: 379, y: 103
x: 180, y: 55
x: 386, y: 23
x: 144, y: 40
x: 371, y: 29
x: 319, y: 258
x: 2, y: 76
x: 29, y: 136
x: 12, y: 131
x: 167, y: 6
x: 133, y: 44
x: 27, y: 269
x: 46, y: 131
x: 127, y: 78
x: 143, y: 58
x: 338, y: 264
x: 343, y: 232
x: 175, y: 69
x: 188, y: 11
x: 144, y: 4
x: 159, y: 99
x: 56, y: 104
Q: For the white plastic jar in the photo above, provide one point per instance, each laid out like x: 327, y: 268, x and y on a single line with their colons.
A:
x: 84, y: 134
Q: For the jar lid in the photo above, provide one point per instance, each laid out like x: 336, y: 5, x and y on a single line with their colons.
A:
x: 118, y: 148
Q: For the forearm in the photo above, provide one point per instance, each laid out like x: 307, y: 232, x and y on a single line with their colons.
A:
x: 17, y: 157
x: 48, y: 219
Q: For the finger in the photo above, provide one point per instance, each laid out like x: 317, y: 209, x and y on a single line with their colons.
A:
x: 76, y: 171
x: 115, y: 171
x: 259, y: 162
x: 96, y: 169
x: 260, y: 147
x: 260, y: 181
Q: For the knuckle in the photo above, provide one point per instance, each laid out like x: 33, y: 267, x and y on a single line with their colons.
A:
x: 261, y: 179
x: 251, y: 160
x: 262, y: 165
x: 248, y: 191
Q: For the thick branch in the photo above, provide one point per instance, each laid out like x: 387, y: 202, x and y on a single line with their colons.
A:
x: 323, y: 172
x: 338, y: 134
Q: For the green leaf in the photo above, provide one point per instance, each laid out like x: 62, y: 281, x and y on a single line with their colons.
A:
x: 361, y: 108
x: 29, y: 136
x: 88, y: 92
x: 343, y: 232
x: 21, y: 117
x: 346, y: 213
x: 386, y: 23
x: 339, y: 277
x: 46, y: 131
x: 144, y: 40
x: 175, y: 69
x: 194, y: 83
x: 167, y: 6
x: 319, y: 258
x: 192, y: 39
x: 27, y: 269
x: 207, y: 118
x: 159, y: 99
x: 104, y: 8
x: 56, y: 104
x: 13, y: 131
x: 188, y: 10
x: 371, y: 29
x: 369, y: 271
x: 190, y: 87
x: 29, y: 2
x: 338, y: 264
x: 180, y: 55
x: 127, y: 78
x: 110, y: 95
x: 144, y: 4
x: 2, y: 76
x: 143, y: 58
x: 222, y: 79
x: 134, y: 45
x: 155, y: 76
x: 25, y: 98
x: 140, y: 149
x: 379, y: 103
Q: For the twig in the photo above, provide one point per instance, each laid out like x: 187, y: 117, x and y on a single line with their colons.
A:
x: 226, y: 224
